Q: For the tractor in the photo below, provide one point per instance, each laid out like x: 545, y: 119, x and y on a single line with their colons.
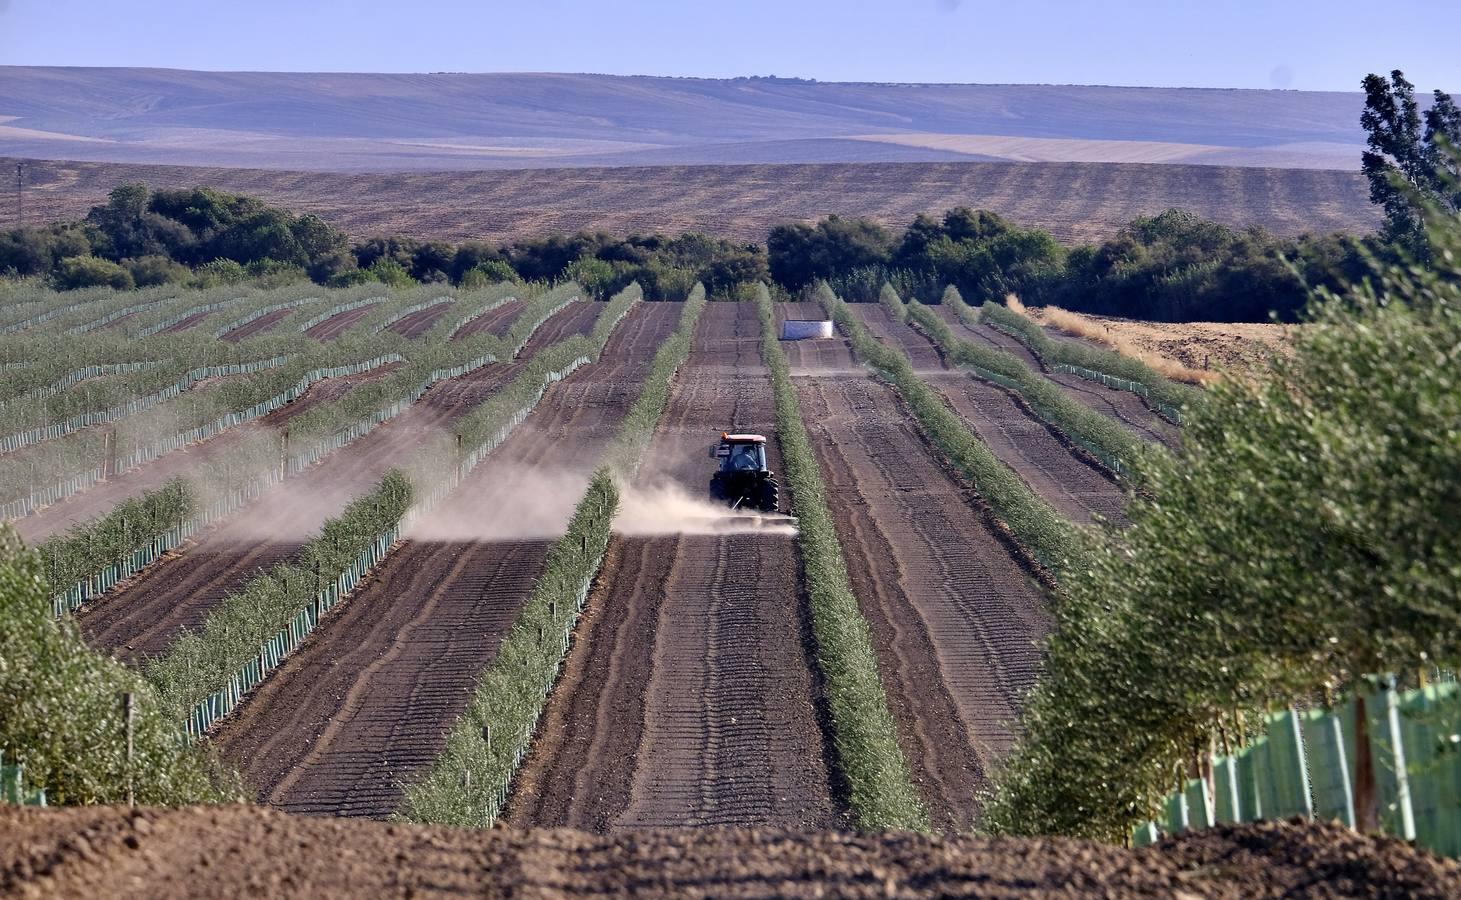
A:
x: 742, y: 480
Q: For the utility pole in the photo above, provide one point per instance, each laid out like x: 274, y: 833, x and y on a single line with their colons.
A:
x: 20, y: 195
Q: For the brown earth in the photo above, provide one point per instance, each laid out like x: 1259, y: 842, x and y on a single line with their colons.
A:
x: 242, y: 851
x: 420, y: 321
x: 689, y: 698
x: 494, y: 321
x: 366, y: 705
x: 187, y: 324
x: 143, y: 616
x: 339, y: 323
x: 1068, y: 479
x: 258, y: 326
x: 1245, y: 348
x: 956, y: 619
x: 1076, y: 202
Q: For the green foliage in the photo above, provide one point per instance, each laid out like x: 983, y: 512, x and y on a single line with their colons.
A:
x: 89, y: 271
x: 90, y: 547
x: 798, y: 254
x: 63, y: 715
x: 1053, y: 540
x: 147, y: 271
x: 219, y: 271
x: 489, y: 272
x: 1160, y: 390
x: 200, y: 662
x: 1409, y: 170
x: 881, y: 791
x: 1304, y: 538
x: 391, y: 273
x: 1116, y: 446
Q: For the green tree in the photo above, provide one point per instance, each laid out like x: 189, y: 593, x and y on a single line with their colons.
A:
x: 1404, y: 165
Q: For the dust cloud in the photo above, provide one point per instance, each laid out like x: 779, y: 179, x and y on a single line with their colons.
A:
x: 526, y: 502
x: 669, y: 508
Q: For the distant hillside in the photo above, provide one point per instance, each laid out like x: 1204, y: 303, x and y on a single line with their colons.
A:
x: 1074, y: 201
x: 365, y: 122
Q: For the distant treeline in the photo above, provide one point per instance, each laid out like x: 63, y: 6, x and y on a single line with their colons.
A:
x: 1171, y: 267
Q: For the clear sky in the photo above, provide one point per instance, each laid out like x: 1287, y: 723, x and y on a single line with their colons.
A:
x: 1304, y: 44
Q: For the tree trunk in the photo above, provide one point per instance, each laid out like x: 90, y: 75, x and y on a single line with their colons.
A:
x: 1366, y: 798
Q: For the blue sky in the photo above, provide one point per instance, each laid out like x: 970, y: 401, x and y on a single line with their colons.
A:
x: 1304, y: 44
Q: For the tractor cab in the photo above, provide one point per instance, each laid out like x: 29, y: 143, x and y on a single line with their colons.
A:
x: 742, y: 479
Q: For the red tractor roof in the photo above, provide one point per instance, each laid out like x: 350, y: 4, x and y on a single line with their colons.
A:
x: 743, y: 438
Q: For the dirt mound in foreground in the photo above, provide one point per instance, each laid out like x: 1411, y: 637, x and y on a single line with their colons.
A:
x: 250, y: 851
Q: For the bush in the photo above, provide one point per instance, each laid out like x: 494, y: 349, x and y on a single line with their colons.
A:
x: 89, y: 271
x: 486, y: 274
x: 153, y: 270
x: 219, y: 271
x: 1304, y: 538
x: 391, y: 273
x: 62, y: 715
x: 351, y: 278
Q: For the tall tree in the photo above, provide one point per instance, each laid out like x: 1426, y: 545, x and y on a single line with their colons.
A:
x: 1407, y: 168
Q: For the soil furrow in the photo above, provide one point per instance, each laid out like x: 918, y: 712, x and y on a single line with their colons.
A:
x: 187, y: 324
x: 956, y: 620
x: 1066, y: 479
x: 366, y: 704
x: 258, y: 326
x: 339, y: 323
x: 495, y: 321
x: 420, y: 321
x: 689, y: 697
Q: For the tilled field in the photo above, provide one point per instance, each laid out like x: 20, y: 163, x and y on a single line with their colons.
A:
x: 1066, y: 478
x: 492, y: 322
x: 252, y: 852
x: 1123, y: 406
x: 260, y: 325
x: 956, y: 619
x: 367, y: 703
x: 339, y: 323
x: 142, y: 618
x: 420, y: 321
x: 689, y: 698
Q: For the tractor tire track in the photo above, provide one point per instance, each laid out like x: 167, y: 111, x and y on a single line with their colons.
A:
x: 690, y: 697
x: 494, y: 322
x: 420, y: 321
x: 340, y: 323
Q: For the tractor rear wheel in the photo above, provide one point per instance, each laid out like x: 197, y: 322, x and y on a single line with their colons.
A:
x: 770, y: 496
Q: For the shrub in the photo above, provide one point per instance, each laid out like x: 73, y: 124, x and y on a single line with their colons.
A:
x: 62, y: 716
x: 89, y: 271
x: 219, y: 271
x: 1304, y: 538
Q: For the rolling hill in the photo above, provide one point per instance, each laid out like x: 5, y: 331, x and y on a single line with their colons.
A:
x: 445, y: 121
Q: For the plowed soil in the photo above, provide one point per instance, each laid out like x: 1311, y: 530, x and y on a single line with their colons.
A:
x: 816, y: 357
x: 258, y: 326
x: 956, y: 620
x: 187, y: 324
x: 578, y: 318
x: 97, y: 500
x: 689, y: 698
x: 143, y: 617
x: 1069, y: 480
x: 366, y: 704
x: 1123, y: 406
x: 339, y: 323
x: 420, y: 321
x: 494, y: 321
x: 249, y: 852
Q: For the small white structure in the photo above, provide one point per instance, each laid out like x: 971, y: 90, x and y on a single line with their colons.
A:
x: 805, y: 329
